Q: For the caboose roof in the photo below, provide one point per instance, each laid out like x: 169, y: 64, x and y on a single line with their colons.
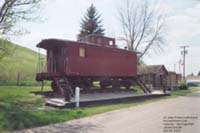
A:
x: 55, y: 42
x: 47, y: 43
x: 97, y: 35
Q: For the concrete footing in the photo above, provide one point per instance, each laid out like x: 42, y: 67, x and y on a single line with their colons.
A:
x: 102, y: 99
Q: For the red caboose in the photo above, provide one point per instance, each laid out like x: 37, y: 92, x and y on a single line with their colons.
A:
x: 80, y: 63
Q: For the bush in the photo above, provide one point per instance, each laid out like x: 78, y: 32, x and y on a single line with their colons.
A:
x: 182, y: 85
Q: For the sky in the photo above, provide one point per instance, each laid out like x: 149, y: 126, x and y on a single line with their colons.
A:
x: 61, y: 19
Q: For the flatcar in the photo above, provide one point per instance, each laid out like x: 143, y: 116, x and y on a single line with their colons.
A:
x: 79, y: 63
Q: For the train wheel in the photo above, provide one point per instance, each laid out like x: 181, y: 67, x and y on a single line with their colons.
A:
x: 127, y: 83
x: 102, y: 84
x: 116, y: 84
x: 86, y: 85
x: 128, y: 86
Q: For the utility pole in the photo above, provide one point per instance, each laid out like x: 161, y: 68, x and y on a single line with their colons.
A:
x: 179, y: 65
x: 174, y: 67
x: 184, y: 52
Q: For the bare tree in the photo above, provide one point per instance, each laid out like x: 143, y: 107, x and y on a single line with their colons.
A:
x: 142, y: 27
x: 11, y: 13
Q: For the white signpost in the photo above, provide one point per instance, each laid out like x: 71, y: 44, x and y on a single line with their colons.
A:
x: 77, y: 96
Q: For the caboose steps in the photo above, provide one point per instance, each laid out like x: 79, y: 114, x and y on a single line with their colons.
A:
x: 62, y: 87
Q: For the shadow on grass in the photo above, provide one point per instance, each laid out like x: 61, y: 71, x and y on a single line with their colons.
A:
x: 13, y: 114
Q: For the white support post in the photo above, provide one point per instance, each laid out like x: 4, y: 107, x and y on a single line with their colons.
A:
x: 77, y: 96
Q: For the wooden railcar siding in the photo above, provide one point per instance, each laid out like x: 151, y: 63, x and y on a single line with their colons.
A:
x: 94, y: 58
x: 68, y: 58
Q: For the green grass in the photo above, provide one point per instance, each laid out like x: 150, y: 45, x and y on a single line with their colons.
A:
x: 20, y: 109
x: 21, y: 60
x: 176, y: 93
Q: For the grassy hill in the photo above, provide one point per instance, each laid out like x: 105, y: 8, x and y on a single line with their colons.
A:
x: 21, y: 63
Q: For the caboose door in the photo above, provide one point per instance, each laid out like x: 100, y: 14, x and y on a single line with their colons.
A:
x: 56, y: 60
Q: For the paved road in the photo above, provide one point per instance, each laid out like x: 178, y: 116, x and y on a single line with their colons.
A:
x: 158, y: 117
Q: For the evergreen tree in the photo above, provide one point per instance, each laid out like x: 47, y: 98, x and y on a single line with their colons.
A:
x: 91, y: 23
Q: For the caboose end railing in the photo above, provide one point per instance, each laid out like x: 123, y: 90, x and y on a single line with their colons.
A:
x: 42, y: 64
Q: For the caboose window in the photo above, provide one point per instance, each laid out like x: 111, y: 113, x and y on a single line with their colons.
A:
x: 111, y: 43
x: 99, y: 41
x: 92, y: 39
x: 82, y: 52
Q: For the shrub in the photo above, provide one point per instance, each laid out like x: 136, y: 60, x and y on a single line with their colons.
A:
x: 182, y: 85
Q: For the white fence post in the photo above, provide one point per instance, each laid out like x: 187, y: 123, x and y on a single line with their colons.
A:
x: 77, y: 96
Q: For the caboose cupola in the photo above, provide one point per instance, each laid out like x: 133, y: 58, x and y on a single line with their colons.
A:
x: 99, y: 40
